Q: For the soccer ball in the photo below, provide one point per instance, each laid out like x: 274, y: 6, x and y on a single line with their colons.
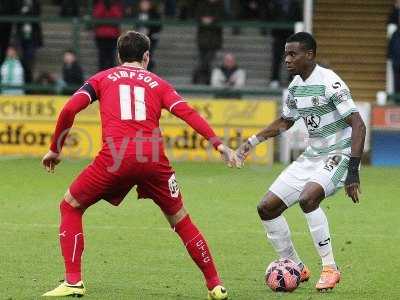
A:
x: 282, y: 275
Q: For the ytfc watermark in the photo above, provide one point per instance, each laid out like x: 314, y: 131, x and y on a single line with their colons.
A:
x: 145, y: 147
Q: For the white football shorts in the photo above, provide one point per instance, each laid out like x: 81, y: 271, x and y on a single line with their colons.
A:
x: 328, y: 171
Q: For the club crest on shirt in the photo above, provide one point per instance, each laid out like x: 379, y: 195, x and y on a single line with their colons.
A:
x: 291, y: 102
x: 315, y: 101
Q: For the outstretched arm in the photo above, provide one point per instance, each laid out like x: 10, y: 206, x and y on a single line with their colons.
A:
x: 78, y: 102
x: 183, y: 111
x: 352, y: 183
x: 274, y: 129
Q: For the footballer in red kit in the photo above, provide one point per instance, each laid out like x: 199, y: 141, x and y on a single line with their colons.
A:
x: 131, y: 100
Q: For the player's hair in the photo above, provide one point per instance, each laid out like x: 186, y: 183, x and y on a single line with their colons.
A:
x: 304, y: 38
x: 132, y: 45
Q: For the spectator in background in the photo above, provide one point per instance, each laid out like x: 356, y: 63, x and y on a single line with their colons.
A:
x: 148, y: 12
x: 29, y: 35
x: 228, y: 75
x: 69, y: 8
x: 129, y: 7
x: 72, y: 75
x: 394, y: 55
x: 170, y: 8
x: 107, y: 34
x: 12, y: 72
x: 47, y: 82
x: 209, y: 37
x: 7, y: 8
x: 186, y: 9
x: 394, y: 15
x: 281, y: 11
x: 248, y: 10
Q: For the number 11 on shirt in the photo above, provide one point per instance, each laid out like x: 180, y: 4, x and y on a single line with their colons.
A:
x: 125, y: 101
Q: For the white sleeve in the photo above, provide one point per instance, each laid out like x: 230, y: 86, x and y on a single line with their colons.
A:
x: 240, y: 78
x: 338, y: 92
x: 217, y: 78
x: 289, y: 108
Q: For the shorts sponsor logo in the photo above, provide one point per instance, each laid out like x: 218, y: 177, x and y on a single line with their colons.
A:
x: 173, y: 186
x: 332, y: 162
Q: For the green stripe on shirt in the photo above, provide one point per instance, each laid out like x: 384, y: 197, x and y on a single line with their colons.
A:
x: 329, y: 129
x: 318, y: 110
x: 308, y: 90
x: 343, y: 144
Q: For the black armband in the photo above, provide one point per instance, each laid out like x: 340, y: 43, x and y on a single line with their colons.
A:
x: 90, y: 90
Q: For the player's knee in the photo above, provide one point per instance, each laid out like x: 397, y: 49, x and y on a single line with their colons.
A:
x: 266, y: 212
x: 307, y: 203
x: 71, y: 200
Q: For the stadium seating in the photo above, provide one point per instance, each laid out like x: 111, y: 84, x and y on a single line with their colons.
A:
x: 351, y: 38
x: 176, y: 55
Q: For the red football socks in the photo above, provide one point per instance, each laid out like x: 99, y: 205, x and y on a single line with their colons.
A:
x: 197, y: 247
x: 71, y: 241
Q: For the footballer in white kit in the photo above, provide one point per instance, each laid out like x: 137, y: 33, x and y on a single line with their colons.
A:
x: 323, y: 101
x: 336, y: 142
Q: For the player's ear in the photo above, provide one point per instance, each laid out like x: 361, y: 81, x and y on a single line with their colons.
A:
x: 310, y: 54
x: 146, y: 59
x: 119, y: 59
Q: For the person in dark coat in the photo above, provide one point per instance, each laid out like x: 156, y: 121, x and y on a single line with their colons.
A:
x: 30, y: 36
x: 281, y: 11
x: 7, y: 8
x: 209, y: 37
x: 107, y: 34
x: 394, y: 55
x: 395, y: 13
x: 147, y: 11
x: 72, y: 73
x: 69, y: 8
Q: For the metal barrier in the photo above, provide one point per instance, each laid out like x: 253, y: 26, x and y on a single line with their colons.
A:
x: 183, y: 89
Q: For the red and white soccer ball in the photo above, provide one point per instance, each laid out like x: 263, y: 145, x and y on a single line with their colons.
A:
x: 282, y: 275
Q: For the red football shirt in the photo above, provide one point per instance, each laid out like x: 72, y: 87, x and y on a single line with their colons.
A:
x: 130, y: 101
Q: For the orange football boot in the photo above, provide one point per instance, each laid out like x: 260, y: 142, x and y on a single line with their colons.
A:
x: 328, y: 280
x: 305, y: 274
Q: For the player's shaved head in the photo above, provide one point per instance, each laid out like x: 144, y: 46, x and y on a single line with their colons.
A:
x: 132, y: 45
x: 305, y: 39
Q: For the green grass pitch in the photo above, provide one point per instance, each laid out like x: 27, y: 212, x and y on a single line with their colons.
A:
x: 131, y: 253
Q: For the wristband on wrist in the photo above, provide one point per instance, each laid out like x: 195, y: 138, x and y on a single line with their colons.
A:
x: 354, y: 163
x: 253, y: 140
